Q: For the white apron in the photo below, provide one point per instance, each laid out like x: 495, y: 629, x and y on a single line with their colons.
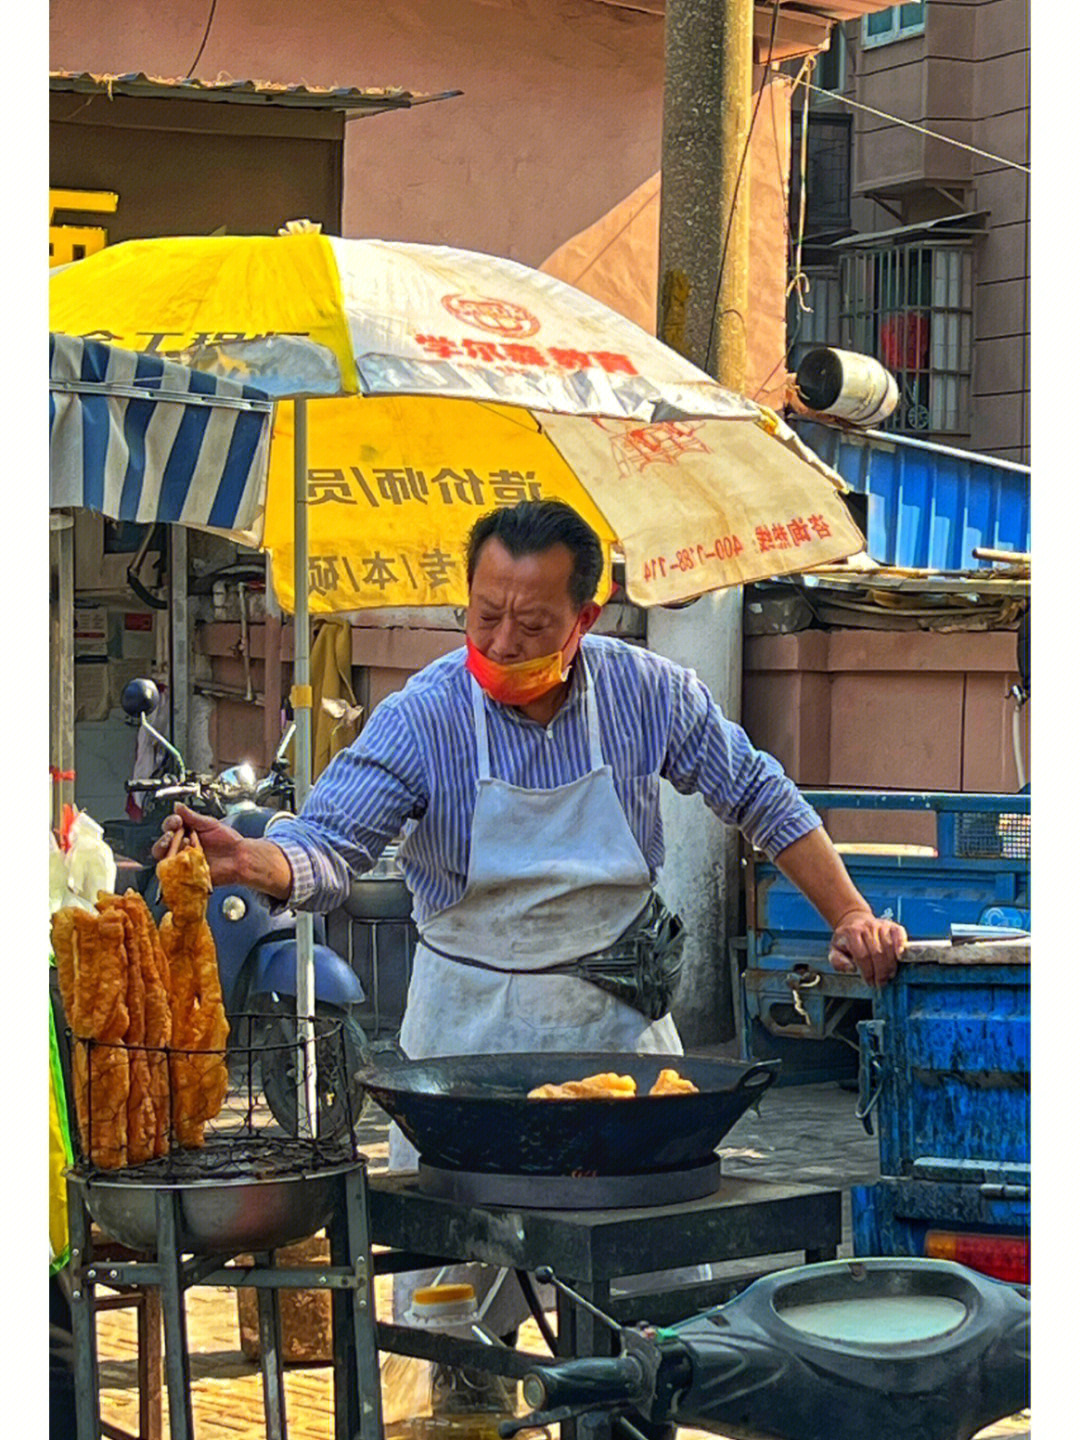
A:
x: 553, y: 875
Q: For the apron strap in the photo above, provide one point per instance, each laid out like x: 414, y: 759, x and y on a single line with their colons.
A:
x: 592, y: 713
x: 483, y: 756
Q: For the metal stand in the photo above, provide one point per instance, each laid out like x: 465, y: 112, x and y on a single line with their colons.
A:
x: 591, y: 1248
x: 357, y: 1399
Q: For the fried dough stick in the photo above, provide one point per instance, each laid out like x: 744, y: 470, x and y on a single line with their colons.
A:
x: 159, y: 1021
x: 607, y: 1086
x: 63, y: 943
x: 199, y: 1082
x: 611, y: 1086
x: 670, y: 1082
x: 92, y: 961
x: 149, y: 1029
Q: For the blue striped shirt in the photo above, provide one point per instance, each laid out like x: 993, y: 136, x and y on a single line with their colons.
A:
x: 413, y: 771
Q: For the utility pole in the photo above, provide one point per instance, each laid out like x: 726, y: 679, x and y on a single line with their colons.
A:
x: 703, y: 314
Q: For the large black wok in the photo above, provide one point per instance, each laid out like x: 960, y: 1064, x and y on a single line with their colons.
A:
x: 472, y: 1113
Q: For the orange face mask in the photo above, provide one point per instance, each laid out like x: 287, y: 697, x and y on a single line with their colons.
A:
x: 523, y: 681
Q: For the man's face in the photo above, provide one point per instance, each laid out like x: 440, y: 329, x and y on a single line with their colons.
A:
x: 520, y: 607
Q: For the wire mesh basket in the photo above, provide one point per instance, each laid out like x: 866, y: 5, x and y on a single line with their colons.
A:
x: 166, y: 1115
x: 993, y: 835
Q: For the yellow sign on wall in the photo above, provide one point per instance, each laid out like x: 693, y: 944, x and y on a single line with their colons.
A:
x: 74, y: 242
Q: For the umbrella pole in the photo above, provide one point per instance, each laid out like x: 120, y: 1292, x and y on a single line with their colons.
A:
x: 307, y: 1111
x: 66, y: 539
x: 62, y: 669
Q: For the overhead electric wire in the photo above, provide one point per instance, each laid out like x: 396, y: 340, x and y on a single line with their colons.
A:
x: 206, y: 36
x: 922, y: 129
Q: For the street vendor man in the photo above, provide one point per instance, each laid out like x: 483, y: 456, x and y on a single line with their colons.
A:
x: 523, y: 773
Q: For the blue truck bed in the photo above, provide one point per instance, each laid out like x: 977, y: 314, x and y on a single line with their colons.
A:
x: 792, y: 1005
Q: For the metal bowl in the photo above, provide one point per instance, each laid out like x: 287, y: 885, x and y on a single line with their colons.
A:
x: 380, y: 893
x: 216, y: 1216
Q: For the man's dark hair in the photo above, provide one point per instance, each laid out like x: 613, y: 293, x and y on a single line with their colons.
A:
x: 533, y: 526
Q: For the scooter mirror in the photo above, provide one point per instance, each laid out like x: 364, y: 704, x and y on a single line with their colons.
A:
x: 140, y: 697
x: 286, y: 741
x: 240, y: 777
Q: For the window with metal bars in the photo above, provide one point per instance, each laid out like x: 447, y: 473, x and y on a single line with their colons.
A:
x: 828, y: 174
x: 813, y: 319
x: 910, y: 307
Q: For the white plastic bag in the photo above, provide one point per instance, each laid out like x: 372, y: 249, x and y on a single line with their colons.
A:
x: 91, y: 866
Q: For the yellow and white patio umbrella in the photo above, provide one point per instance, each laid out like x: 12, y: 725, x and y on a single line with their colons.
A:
x: 450, y: 382
x: 479, y: 382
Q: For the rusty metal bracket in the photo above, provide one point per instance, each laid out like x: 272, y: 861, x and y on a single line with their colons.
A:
x: 871, y: 1070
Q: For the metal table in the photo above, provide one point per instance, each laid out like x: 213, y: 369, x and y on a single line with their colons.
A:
x: 357, y: 1405
x: 592, y: 1248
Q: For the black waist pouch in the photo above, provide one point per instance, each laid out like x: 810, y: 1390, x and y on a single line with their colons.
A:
x: 643, y: 966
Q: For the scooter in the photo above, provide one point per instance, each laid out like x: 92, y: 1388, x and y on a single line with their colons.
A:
x: 901, y: 1349
x: 256, y: 950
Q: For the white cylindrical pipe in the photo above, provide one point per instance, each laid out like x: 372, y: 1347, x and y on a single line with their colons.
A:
x: 1018, y: 749
x: 856, y: 388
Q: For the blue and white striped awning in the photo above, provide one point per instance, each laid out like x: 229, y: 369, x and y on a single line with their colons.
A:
x: 141, y: 438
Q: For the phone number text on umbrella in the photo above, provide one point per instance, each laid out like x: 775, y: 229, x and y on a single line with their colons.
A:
x: 786, y: 536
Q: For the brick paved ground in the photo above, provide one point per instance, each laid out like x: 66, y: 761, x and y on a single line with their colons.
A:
x: 803, y: 1133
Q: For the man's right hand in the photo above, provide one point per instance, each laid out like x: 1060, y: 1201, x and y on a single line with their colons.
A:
x: 221, y: 844
x: 259, y: 864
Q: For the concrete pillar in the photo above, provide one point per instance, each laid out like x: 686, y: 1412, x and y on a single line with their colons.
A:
x: 701, y: 877
x: 705, y: 169
x: 702, y: 314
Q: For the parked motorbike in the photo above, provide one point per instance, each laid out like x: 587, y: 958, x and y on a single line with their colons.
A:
x: 900, y: 1348
x: 256, y: 949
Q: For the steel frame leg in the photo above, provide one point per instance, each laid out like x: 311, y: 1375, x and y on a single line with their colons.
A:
x: 83, y: 1327
x: 273, y: 1376
x: 177, y: 1360
x: 579, y: 1334
x: 818, y: 1253
x: 357, y: 1393
x: 148, y: 1331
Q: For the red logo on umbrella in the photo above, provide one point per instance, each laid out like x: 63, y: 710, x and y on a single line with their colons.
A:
x: 502, y: 317
x: 659, y: 444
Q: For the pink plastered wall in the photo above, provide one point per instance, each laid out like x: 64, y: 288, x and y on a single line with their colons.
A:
x: 559, y: 123
x: 560, y: 117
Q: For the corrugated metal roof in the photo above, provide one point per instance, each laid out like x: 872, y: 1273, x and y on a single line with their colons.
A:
x: 929, y: 506
x: 250, y: 92
x: 971, y: 222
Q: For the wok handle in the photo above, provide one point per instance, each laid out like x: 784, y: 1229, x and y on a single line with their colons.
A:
x: 388, y: 1055
x: 758, y: 1077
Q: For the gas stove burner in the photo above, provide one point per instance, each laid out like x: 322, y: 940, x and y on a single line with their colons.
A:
x: 572, y: 1192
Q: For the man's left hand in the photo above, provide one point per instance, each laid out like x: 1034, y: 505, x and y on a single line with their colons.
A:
x: 861, y: 942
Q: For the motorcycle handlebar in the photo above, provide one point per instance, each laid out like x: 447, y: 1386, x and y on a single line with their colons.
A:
x: 190, y: 787
x: 588, y: 1382
x: 195, y: 786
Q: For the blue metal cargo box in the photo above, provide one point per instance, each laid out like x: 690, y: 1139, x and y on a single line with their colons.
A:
x: 979, y: 874
x: 950, y: 1046
x: 945, y: 1068
x: 928, y: 505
